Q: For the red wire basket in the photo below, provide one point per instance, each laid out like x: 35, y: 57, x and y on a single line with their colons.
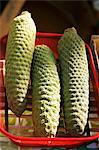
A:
x: 51, y: 40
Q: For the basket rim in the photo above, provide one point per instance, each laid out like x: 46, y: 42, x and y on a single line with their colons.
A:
x: 65, y: 141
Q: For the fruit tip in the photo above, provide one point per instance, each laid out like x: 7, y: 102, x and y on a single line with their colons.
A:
x: 26, y: 13
x: 71, y: 29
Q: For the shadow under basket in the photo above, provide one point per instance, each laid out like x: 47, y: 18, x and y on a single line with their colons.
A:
x: 20, y: 130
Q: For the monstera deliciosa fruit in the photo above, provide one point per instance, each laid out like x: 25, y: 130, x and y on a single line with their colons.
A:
x: 74, y: 81
x: 19, y: 54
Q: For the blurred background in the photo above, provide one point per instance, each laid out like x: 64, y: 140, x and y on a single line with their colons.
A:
x: 54, y: 16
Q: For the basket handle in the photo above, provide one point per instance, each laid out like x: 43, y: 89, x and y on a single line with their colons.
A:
x: 94, y: 77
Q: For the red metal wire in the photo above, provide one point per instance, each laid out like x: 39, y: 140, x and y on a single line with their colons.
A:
x: 94, y: 76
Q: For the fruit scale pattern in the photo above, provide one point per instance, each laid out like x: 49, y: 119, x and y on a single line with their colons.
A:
x: 19, y: 52
x: 75, y: 81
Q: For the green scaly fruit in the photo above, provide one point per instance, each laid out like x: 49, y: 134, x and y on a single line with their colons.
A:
x: 74, y: 81
x: 19, y: 53
x: 46, y: 92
